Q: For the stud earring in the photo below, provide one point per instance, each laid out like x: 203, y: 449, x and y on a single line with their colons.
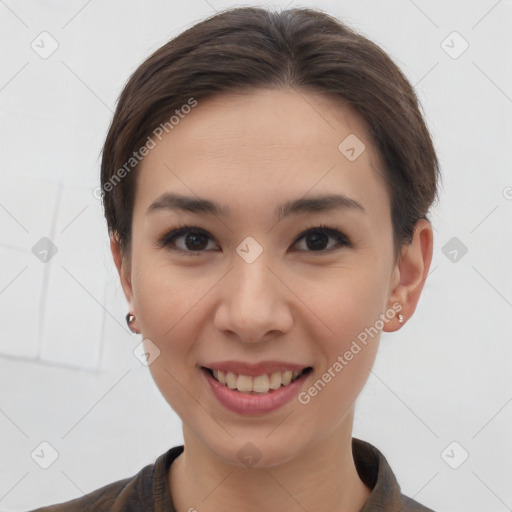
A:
x: 129, y: 321
x: 400, y: 318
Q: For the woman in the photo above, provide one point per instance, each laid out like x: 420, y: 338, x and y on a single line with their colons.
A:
x: 266, y: 181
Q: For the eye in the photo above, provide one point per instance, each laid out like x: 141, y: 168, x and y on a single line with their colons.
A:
x: 317, y: 239
x: 195, y: 240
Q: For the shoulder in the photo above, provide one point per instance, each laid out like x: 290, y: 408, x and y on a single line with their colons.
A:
x: 139, y: 492
x: 101, y: 499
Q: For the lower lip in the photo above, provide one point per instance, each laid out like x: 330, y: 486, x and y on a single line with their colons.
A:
x: 243, y: 403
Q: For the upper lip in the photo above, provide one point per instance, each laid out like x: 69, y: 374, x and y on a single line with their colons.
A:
x: 254, y: 369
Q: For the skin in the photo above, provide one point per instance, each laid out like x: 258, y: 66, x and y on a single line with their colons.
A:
x: 251, y: 152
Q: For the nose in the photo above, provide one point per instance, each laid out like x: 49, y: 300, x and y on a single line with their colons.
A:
x: 254, y: 304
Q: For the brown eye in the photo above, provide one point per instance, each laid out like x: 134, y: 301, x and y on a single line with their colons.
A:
x: 317, y: 239
x: 195, y: 241
x: 190, y: 240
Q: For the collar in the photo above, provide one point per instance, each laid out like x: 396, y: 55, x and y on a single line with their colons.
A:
x: 371, y: 465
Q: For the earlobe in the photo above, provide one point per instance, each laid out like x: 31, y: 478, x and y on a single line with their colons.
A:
x: 410, y: 274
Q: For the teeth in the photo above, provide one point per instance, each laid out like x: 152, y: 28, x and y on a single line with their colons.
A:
x: 275, y: 380
x: 287, y: 377
x: 259, y: 384
x: 244, y: 383
x: 231, y: 380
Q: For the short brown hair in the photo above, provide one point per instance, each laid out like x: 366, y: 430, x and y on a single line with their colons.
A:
x: 250, y: 47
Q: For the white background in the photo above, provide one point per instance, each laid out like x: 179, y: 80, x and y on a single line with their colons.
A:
x: 67, y: 372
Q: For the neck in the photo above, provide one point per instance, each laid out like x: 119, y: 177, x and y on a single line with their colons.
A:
x: 322, y: 479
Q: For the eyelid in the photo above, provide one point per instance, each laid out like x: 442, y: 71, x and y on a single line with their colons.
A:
x: 342, y: 239
x: 178, y: 231
x: 183, y: 229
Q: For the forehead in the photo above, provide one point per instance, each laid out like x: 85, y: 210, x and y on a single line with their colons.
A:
x: 253, y: 149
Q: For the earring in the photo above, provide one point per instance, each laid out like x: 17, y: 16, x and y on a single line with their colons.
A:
x: 400, y: 318
x: 129, y: 321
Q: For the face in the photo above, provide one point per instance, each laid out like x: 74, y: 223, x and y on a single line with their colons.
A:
x: 250, y: 292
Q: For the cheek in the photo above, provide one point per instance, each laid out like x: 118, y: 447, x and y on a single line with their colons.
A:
x: 337, y: 389
x: 169, y: 301
x: 166, y: 296
x: 340, y: 378
x: 165, y: 302
x: 349, y: 304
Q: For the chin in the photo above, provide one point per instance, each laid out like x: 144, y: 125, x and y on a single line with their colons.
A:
x: 259, y: 452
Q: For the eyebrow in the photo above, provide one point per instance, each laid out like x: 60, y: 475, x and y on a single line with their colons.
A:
x: 171, y: 201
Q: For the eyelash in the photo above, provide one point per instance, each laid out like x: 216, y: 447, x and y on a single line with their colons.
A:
x: 183, y: 229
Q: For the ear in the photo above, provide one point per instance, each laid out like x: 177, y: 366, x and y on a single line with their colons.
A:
x: 123, y: 266
x: 410, y: 273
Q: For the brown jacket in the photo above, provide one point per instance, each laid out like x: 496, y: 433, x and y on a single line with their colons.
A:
x: 148, y: 490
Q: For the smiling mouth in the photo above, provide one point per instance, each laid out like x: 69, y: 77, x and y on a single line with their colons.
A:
x: 259, y: 384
